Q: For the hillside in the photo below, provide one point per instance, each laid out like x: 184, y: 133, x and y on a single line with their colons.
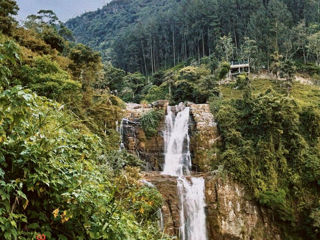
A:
x: 62, y: 175
x: 148, y: 36
x: 101, y: 28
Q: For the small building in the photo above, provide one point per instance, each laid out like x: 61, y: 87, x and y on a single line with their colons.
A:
x: 238, y: 67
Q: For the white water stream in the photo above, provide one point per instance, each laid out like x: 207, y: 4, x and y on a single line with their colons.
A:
x: 178, y: 163
x: 120, y: 131
x: 176, y: 142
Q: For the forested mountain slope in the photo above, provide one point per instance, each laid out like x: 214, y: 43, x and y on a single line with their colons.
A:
x: 99, y: 29
x: 150, y: 35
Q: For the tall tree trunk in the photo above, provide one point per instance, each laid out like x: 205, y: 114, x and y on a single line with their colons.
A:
x: 185, y: 47
x: 203, y: 51
x: 144, y: 59
x: 151, y: 56
x: 174, y: 48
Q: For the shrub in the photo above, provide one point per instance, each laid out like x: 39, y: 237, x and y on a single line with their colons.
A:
x: 150, y: 122
x: 47, y: 79
x: 157, y: 93
x: 242, y: 81
x: 54, y: 180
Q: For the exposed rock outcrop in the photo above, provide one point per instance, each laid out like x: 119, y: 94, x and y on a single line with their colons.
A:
x: 231, y: 215
x: 134, y: 138
x: 204, y: 137
x: 167, y: 186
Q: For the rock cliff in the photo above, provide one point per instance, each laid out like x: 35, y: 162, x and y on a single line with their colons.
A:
x: 135, y: 140
x: 231, y: 215
x: 203, y: 136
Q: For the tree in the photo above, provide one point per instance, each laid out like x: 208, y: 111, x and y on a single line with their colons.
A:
x: 50, y: 28
x: 249, y: 50
x: 9, y: 58
x: 132, y: 87
x: 276, y: 63
x: 52, y: 37
x: 269, y: 27
x: 113, y: 79
x: 7, y: 9
x: 301, y: 39
x: 288, y: 70
x: 280, y: 22
x: 48, y: 17
x: 314, y: 46
x: 225, y: 48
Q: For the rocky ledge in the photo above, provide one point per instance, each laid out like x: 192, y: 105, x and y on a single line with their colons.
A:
x: 231, y: 215
x: 203, y: 136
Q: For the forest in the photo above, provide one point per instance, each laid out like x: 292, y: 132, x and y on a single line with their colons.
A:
x: 148, y: 36
x: 64, y: 87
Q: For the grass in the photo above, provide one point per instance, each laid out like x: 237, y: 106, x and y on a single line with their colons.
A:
x: 305, y: 95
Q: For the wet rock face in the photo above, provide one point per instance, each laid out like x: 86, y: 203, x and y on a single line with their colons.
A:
x: 232, y: 216
x: 203, y: 138
x: 135, y: 141
x: 167, y: 186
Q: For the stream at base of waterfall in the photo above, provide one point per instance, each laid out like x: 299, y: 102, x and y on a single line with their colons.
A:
x: 178, y: 163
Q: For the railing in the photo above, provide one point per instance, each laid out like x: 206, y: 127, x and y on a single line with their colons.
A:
x: 239, y: 62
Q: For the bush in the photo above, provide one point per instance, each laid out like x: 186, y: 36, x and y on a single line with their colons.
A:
x: 150, y: 122
x: 46, y: 78
x: 54, y: 180
x: 183, y: 91
x: 242, y: 81
x: 309, y: 68
x: 122, y: 159
x: 276, y: 200
x: 156, y: 93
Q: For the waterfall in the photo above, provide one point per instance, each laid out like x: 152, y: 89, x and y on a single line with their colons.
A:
x: 192, y: 215
x: 120, y: 130
x: 178, y: 163
x: 176, y: 142
x: 160, y: 216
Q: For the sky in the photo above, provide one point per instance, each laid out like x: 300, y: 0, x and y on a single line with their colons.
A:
x: 65, y: 9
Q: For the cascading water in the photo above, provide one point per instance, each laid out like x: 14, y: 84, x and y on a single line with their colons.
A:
x: 176, y: 141
x: 178, y: 163
x: 192, y: 213
x: 120, y: 130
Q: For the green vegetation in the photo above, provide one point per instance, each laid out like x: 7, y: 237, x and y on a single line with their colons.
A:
x: 56, y: 181
x: 8, y: 8
x: 270, y: 143
x: 150, y: 122
x: 61, y: 173
x: 150, y: 35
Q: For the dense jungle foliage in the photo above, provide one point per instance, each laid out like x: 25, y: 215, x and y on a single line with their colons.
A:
x: 61, y: 173
x: 270, y: 143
